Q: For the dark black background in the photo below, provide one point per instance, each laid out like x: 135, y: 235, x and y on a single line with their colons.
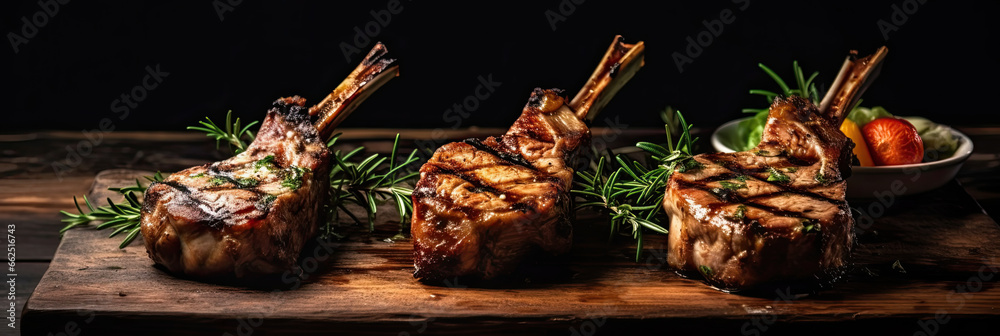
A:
x: 89, y: 53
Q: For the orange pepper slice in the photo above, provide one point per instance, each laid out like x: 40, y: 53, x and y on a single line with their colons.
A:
x: 851, y: 130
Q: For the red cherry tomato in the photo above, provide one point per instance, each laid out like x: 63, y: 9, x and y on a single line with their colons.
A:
x: 893, y: 141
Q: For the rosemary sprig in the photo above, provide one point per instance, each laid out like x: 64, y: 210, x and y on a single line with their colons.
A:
x: 237, y: 137
x: 632, y: 193
x: 122, y: 217
x: 368, y: 183
x: 806, y: 88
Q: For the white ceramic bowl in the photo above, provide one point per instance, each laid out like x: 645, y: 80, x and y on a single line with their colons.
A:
x: 879, y: 182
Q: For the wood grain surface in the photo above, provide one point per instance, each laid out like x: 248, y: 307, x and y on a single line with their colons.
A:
x: 947, y: 248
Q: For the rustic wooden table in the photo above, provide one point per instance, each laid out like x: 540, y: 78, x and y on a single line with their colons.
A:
x: 38, y: 176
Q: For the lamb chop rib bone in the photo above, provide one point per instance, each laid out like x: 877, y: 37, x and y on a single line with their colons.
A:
x: 481, y: 206
x: 617, y: 67
x: 373, y: 72
x: 252, y: 214
x: 853, y: 79
x: 777, y: 213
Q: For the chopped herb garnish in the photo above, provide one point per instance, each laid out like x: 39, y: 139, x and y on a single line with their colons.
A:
x: 741, y: 178
x: 821, y: 178
x: 217, y: 181
x: 293, y: 177
x: 246, y: 182
x: 267, y: 163
x: 265, y: 201
x: 689, y: 164
x: 761, y: 153
x: 809, y: 225
x: 705, y: 270
x: 197, y: 175
x: 777, y: 176
x: 740, y: 212
x: 792, y: 169
x: 733, y: 186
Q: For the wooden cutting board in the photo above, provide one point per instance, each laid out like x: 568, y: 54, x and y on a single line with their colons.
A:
x: 947, y: 248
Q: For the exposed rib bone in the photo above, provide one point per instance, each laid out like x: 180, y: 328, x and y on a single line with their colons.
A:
x: 373, y: 72
x: 619, y: 64
x: 854, y: 78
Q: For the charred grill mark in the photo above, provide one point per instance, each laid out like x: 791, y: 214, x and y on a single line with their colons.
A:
x: 215, y: 223
x: 480, y: 184
x: 728, y: 197
x: 509, y: 157
x: 532, y: 133
x: 483, y: 189
x: 723, y: 177
x: 264, y: 203
x: 800, y: 193
x: 724, y: 160
x: 476, y: 183
x: 292, y: 109
x: 776, y: 211
x: 261, y: 201
x: 214, y: 170
x: 555, y: 180
x: 794, y: 161
x: 720, y: 193
x: 180, y: 187
x: 755, y: 228
x: 522, y: 207
x: 736, y: 171
x: 783, y: 189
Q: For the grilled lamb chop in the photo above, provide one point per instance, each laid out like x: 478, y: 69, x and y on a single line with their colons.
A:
x: 251, y: 214
x: 777, y: 213
x: 481, y: 206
